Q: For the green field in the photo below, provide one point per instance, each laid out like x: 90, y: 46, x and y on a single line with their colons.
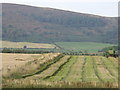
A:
x: 62, y: 47
x: 68, y: 71
x: 90, y: 47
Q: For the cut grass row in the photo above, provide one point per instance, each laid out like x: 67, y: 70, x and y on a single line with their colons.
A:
x: 70, y: 71
x: 52, y: 69
x: 103, y: 72
x: 83, y: 66
x: 59, y: 68
x: 114, y: 61
x: 44, y: 67
x: 64, y: 71
x: 78, y: 69
x: 110, y: 67
x: 88, y: 72
x: 75, y: 74
x: 97, y: 73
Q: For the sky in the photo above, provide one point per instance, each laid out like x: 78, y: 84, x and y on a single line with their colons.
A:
x: 107, y: 8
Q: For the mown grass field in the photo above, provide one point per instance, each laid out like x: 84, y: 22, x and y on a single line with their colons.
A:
x: 90, y: 47
x: 8, y: 44
x: 61, y: 71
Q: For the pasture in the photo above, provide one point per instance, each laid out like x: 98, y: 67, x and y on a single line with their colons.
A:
x: 90, y: 47
x: 58, y: 70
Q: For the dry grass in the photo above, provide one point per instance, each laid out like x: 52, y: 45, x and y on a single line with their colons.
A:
x: 8, y: 44
x: 13, y: 61
x: 23, y: 63
x: 25, y: 83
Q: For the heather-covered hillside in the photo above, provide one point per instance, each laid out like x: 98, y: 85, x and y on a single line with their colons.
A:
x: 37, y: 24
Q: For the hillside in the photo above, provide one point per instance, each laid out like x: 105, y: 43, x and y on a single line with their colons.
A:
x: 47, y: 25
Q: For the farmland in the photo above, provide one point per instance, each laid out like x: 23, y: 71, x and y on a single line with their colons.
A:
x: 54, y: 48
x: 69, y: 48
x: 24, y: 63
x: 9, y: 44
x: 90, y: 47
x: 59, y: 70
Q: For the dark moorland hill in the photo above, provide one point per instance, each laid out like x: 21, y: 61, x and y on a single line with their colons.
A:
x: 36, y: 24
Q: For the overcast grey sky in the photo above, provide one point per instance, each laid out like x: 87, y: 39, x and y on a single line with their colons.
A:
x: 98, y: 7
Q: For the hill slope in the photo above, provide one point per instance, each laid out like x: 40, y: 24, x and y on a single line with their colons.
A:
x: 35, y: 24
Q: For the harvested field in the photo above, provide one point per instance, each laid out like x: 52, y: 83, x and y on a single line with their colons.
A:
x: 58, y: 70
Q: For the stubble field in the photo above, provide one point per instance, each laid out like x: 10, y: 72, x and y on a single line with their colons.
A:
x: 58, y: 70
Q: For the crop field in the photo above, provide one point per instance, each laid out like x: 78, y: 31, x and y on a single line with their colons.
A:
x: 24, y: 63
x: 8, y: 44
x: 58, y: 70
x: 90, y: 47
